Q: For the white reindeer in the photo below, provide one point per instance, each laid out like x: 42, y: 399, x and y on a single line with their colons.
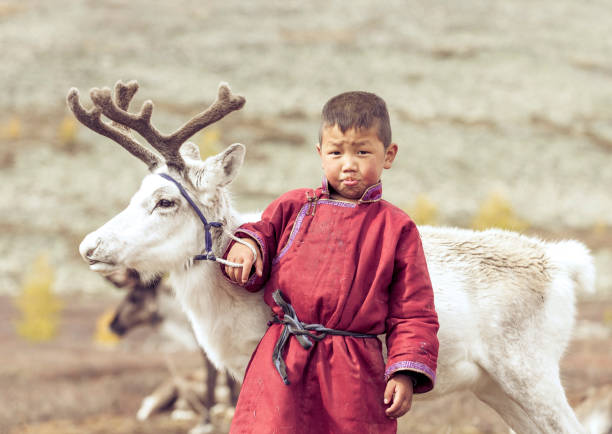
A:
x: 505, y: 301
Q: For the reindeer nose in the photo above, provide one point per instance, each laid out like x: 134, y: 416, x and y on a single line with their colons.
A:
x: 89, y: 252
x: 89, y: 246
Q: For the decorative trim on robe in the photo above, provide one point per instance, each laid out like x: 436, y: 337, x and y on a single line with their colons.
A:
x: 409, y: 365
x: 294, y: 231
x: 372, y: 194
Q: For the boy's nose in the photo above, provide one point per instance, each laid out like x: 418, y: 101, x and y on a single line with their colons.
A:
x: 349, y: 164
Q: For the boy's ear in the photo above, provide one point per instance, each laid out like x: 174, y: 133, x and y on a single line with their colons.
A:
x: 390, y: 154
x: 318, y: 146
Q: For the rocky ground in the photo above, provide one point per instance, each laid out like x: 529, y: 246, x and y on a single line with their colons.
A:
x: 513, y: 98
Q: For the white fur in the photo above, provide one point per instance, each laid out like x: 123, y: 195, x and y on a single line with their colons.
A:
x: 505, y: 301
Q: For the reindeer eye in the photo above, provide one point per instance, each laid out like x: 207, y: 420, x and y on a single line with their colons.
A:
x: 164, y: 203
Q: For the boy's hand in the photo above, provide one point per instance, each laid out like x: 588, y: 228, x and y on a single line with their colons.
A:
x: 399, y: 394
x: 241, y: 254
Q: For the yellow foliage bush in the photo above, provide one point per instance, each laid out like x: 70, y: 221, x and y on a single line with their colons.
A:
x: 11, y: 130
x: 607, y: 317
x: 496, y: 212
x: 209, y: 142
x: 39, y: 306
x: 600, y: 227
x: 67, y: 131
x: 103, y: 335
x: 423, y: 211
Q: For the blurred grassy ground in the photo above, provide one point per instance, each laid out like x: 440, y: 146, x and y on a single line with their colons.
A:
x: 72, y: 385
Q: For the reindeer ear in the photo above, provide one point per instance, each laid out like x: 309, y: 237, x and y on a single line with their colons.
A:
x: 190, y: 150
x: 229, y: 162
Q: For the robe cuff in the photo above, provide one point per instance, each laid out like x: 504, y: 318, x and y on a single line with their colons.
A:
x: 255, y: 282
x: 425, y: 376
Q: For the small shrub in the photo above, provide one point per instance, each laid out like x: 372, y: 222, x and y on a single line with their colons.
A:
x: 39, y: 306
x: 103, y: 335
x: 600, y: 228
x: 423, y: 211
x: 67, y: 132
x: 209, y: 142
x: 496, y: 212
x: 607, y: 317
x: 11, y: 130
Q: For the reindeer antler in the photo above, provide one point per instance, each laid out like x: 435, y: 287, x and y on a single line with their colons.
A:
x: 167, y: 145
x: 91, y: 119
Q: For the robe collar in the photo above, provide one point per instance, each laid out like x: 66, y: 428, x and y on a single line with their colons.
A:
x: 372, y: 194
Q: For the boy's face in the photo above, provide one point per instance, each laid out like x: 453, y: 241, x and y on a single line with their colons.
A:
x: 354, y: 160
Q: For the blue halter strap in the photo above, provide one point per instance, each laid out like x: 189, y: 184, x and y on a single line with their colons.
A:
x: 208, y: 254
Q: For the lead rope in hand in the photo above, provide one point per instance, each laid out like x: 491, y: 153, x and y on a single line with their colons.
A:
x: 238, y: 240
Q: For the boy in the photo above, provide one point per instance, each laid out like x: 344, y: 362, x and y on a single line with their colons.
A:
x: 349, y: 266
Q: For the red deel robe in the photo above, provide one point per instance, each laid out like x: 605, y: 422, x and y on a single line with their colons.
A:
x: 355, y: 267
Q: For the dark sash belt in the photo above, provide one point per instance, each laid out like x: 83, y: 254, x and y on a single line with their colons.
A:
x: 303, y: 333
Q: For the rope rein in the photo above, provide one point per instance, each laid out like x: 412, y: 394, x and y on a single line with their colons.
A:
x: 208, y: 254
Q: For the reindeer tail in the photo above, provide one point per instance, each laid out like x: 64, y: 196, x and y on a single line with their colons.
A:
x: 576, y: 258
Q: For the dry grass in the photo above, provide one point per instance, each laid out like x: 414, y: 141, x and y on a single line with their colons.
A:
x: 423, y: 211
x: 497, y: 212
x: 67, y: 133
x: 11, y: 129
x: 39, y: 306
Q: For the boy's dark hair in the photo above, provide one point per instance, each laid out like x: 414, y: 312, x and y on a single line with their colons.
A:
x: 357, y: 110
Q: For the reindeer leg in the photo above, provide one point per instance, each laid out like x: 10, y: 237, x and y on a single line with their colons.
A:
x: 160, y: 398
x: 234, y: 387
x: 537, y: 390
x: 205, y: 426
x: 491, y: 393
x: 211, y: 381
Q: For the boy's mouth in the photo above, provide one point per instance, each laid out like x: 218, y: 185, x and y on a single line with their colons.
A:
x: 350, y: 182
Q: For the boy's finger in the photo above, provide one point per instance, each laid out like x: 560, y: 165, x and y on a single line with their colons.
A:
x: 259, y: 266
x: 388, y: 396
x: 235, y: 274
x: 237, y: 271
x: 402, y: 410
x: 406, y: 407
x: 398, y: 401
x: 246, y: 270
x: 231, y: 271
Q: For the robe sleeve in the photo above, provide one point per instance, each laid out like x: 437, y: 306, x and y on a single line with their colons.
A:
x: 266, y: 233
x: 412, y: 322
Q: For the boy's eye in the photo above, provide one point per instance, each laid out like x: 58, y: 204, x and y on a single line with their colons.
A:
x: 363, y: 152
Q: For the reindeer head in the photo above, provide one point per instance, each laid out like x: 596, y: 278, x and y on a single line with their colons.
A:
x: 159, y: 230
